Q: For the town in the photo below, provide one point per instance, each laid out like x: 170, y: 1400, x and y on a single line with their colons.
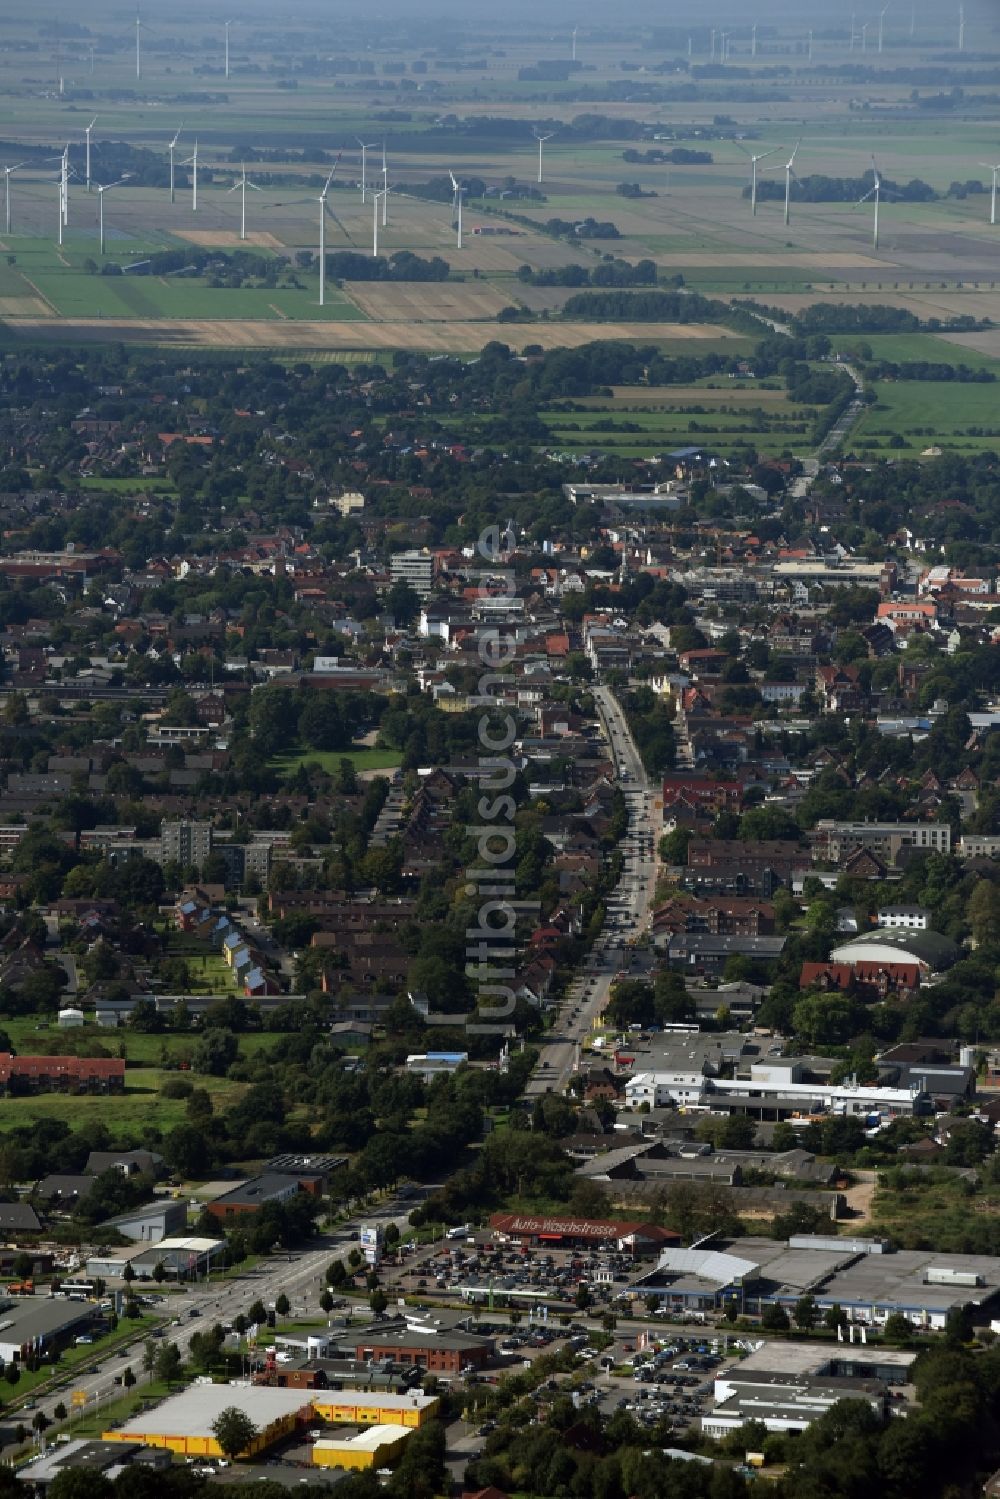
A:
x: 499, y: 755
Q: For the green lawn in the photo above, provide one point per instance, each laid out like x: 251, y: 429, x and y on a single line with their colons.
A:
x: 329, y: 760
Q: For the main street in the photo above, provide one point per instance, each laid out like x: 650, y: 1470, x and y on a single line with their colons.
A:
x: 297, y: 1275
x: 628, y: 908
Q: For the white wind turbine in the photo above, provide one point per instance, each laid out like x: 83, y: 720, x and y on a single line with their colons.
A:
x: 456, y: 205
x: 541, y: 139
x: 876, y: 193
x: 241, y: 184
x: 138, y: 45
x: 375, y: 197
x: 789, y: 174
x: 87, y: 130
x: 7, y: 174
x: 881, y: 26
x: 171, y: 148
x: 760, y: 156
x: 324, y: 209
x: 228, y: 25
x: 64, y: 189
x: 366, y: 146
x: 100, y: 204
x: 192, y: 162
x: 993, y: 195
x: 574, y: 42
x: 385, y: 187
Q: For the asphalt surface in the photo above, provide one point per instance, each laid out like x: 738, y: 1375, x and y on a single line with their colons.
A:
x: 628, y: 910
x: 297, y: 1275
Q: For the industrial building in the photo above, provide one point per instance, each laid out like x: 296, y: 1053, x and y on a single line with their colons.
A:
x: 366, y: 1408
x: 774, y: 1090
x: 183, y: 1423
x: 866, y: 1278
x: 151, y: 1222
x: 80, y: 1454
x: 182, y: 1256
x: 34, y: 1324
x: 377, y: 1447
x: 787, y: 1386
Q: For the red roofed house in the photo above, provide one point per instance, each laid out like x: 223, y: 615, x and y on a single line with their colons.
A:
x: 61, y: 1074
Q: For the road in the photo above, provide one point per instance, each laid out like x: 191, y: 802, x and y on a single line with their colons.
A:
x: 299, y: 1276
x: 628, y: 909
x: 852, y: 413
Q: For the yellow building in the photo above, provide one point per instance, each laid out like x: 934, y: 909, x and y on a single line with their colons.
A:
x: 369, y: 1408
x: 183, y: 1423
x: 377, y: 1447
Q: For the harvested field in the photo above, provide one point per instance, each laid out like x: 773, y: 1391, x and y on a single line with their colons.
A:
x: 426, y: 302
x: 24, y: 307
x: 677, y: 395
x: 982, y: 343
x: 803, y: 261
x: 228, y: 239
x: 446, y: 338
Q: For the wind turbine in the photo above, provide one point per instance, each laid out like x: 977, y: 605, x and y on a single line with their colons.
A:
x: 100, y: 203
x: 242, y: 183
x: 456, y: 204
x: 366, y: 146
x: 86, y: 132
x: 876, y: 193
x: 789, y: 174
x: 761, y: 156
x: 881, y: 23
x: 322, y: 234
x: 171, y: 148
x: 375, y: 198
x: 64, y: 187
x: 574, y: 42
x: 385, y: 187
x: 753, y: 40
x: 324, y: 209
x: 864, y: 36
x: 961, y: 28
x: 541, y: 139
x: 138, y: 48
x: 7, y: 172
x: 228, y: 24
x: 993, y: 197
x: 192, y: 162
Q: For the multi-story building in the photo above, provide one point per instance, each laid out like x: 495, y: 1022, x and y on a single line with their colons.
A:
x: 415, y: 568
x: 186, y: 843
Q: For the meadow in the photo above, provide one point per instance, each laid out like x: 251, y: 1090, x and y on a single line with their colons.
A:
x: 911, y: 415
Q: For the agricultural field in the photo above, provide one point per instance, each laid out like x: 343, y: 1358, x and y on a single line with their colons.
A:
x: 437, y: 111
x: 912, y: 415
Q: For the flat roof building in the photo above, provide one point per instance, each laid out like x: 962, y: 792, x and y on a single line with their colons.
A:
x: 375, y: 1448
x: 183, y: 1423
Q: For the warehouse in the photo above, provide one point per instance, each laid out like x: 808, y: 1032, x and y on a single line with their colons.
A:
x: 183, y: 1423
x: 375, y: 1448
x: 370, y: 1409
x: 865, y: 1278
x: 31, y: 1324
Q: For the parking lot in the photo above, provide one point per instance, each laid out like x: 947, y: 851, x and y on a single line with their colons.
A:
x: 525, y: 1278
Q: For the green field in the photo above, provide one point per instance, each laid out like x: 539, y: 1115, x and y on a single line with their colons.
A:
x: 911, y: 415
x: 329, y: 760
x: 901, y: 348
